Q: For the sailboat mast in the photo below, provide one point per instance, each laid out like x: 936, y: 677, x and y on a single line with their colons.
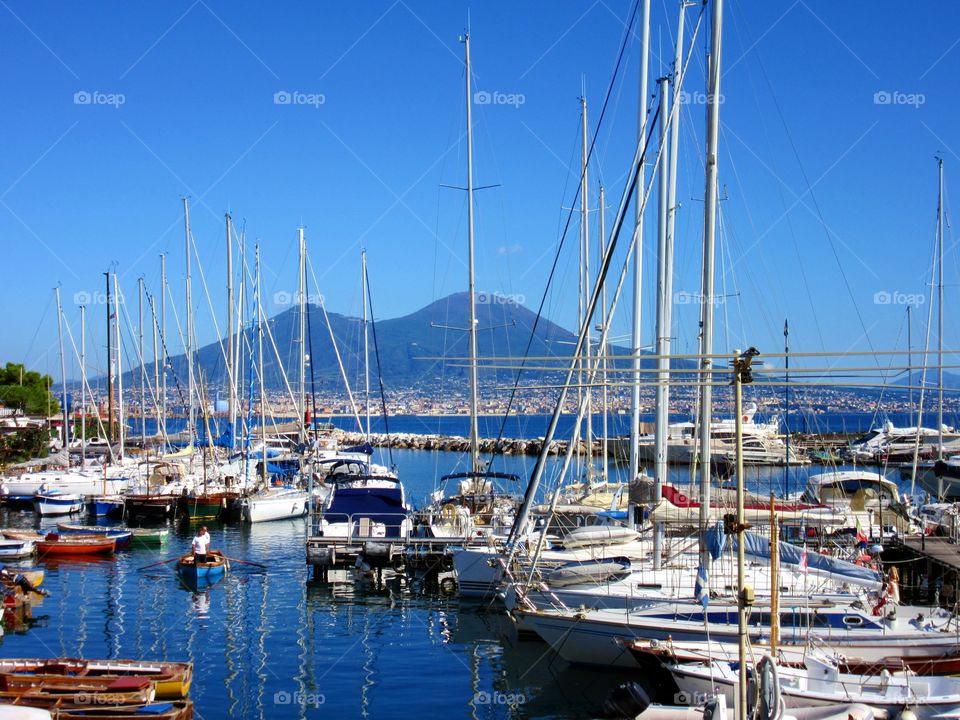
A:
x: 63, y: 377
x: 231, y: 369
x: 109, y: 366
x: 143, y: 369
x: 662, y: 331
x: 121, y: 429
x: 585, y: 270
x: 366, y: 345
x: 192, y: 413
x: 156, y: 361
x: 636, y: 344
x: 263, y: 394
x: 939, y: 314
x: 302, y: 297
x: 709, y: 239
x: 604, y: 445
x: 83, y: 381
x: 471, y: 289
x: 163, y: 337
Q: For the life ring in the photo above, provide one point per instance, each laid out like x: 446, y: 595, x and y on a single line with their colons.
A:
x: 449, y: 514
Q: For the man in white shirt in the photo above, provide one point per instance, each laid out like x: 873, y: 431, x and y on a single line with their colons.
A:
x: 201, y: 542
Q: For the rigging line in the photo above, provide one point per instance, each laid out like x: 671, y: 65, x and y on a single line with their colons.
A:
x: 783, y: 202
x: 376, y: 353
x: 556, y: 257
x: 816, y: 205
x: 36, y: 332
x: 313, y: 383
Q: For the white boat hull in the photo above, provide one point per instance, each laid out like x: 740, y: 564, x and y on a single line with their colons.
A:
x: 264, y: 508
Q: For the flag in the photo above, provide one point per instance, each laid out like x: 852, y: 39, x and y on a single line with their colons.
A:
x: 803, y: 558
x: 701, y: 589
x: 861, y: 535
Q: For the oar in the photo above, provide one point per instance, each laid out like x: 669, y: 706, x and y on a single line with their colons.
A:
x: 245, y: 562
x: 162, y: 562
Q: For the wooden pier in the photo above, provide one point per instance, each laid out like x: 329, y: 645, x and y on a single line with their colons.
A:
x: 421, y: 555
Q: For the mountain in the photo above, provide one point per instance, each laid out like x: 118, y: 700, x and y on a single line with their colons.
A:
x: 417, y: 351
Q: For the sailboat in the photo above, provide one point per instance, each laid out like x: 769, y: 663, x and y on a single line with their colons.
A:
x: 472, y: 503
x: 269, y: 502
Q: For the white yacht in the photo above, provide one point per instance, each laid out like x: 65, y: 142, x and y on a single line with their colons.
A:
x: 762, y: 442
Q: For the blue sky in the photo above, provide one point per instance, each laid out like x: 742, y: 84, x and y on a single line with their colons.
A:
x: 114, y: 111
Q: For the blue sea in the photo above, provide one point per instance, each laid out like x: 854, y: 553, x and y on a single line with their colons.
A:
x: 273, y: 644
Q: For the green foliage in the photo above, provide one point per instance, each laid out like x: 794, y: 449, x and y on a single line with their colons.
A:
x: 27, y: 390
x: 24, y: 444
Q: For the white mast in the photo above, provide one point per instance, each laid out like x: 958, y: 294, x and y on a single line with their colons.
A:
x: 666, y: 224
x: 143, y: 369
x: 474, y: 427
x: 121, y: 422
x: 163, y: 338
x: 83, y: 380
x: 63, y: 377
x: 192, y: 426
x: 585, y: 274
x: 156, y: 361
x: 709, y: 237
x: 231, y: 369
x: 636, y: 344
x: 366, y: 347
x: 662, y: 330
x: 303, y: 337
x: 263, y: 394
x: 605, y: 462
x: 939, y: 314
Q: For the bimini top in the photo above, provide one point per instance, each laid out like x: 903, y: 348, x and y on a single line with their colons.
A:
x: 844, y: 484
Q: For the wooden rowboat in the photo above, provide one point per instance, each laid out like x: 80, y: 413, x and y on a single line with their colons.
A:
x: 60, y: 709
x: 76, y: 545
x: 120, y: 692
x: 171, y: 679
x: 121, y: 536
x: 215, y: 567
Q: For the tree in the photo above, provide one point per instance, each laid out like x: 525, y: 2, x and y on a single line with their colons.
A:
x: 27, y: 390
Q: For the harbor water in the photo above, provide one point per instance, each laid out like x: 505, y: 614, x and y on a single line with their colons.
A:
x: 270, y: 643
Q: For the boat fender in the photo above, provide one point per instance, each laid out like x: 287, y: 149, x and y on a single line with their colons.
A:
x: 446, y: 563
x: 376, y: 550
x: 325, y: 557
x: 907, y: 714
x: 448, y: 585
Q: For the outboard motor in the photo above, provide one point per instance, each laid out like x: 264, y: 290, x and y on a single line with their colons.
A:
x: 626, y: 701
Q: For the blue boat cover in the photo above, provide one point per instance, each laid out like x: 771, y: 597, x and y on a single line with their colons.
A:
x: 380, y: 504
x: 758, y: 546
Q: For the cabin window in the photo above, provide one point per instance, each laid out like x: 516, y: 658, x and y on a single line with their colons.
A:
x: 852, y: 620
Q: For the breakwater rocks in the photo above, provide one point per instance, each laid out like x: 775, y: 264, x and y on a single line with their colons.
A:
x: 413, y: 441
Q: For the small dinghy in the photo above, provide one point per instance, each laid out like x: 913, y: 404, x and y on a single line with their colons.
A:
x: 589, y: 572
x: 14, y: 549
x: 214, y: 568
x: 57, y: 503
x: 66, y: 546
x: 597, y: 535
